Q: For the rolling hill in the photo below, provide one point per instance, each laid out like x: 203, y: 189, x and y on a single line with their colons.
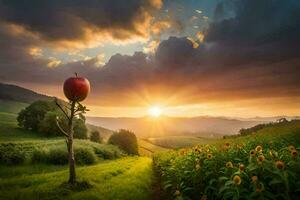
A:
x: 210, y: 127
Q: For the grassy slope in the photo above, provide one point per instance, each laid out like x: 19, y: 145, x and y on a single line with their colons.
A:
x: 147, y: 149
x: 179, y: 141
x: 127, y: 178
x: 11, y: 106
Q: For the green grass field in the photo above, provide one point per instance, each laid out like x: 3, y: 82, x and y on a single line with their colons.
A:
x: 126, y: 178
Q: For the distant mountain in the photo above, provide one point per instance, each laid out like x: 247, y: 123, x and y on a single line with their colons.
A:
x: 195, y: 126
x: 18, y: 94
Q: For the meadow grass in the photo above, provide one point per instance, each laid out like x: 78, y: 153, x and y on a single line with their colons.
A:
x: 146, y: 148
x: 126, y: 178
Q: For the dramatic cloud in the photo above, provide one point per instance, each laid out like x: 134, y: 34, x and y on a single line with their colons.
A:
x: 253, y: 54
x: 81, y: 22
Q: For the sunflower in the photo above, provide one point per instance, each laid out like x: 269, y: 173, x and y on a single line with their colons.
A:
x: 227, y: 145
x: 209, y: 156
x: 258, y: 149
x: 242, y: 167
x: 204, y: 197
x: 239, y: 146
x: 177, y: 193
x: 229, y: 164
x: 237, y: 180
x: 260, y: 158
x: 252, y: 153
x: 279, y: 164
x: 291, y: 148
x: 259, y: 188
x: 254, y: 178
x: 197, y: 167
x: 294, y: 153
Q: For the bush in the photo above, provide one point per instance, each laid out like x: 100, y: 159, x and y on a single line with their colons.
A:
x: 80, y: 130
x: 84, y: 156
x: 125, y: 140
x: 96, y: 137
x: 39, y: 156
x: 11, y: 154
x: 58, y: 156
x: 48, y: 125
x: 106, y: 151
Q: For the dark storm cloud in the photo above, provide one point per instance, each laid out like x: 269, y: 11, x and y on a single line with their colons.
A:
x: 251, y: 55
x: 258, y: 22
x: 70, y: 20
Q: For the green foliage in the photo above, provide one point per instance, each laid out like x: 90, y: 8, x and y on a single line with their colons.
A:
x: 125, y: 140
x: 41, y: 116
x: 10, y: 154
x: 228, y: 169
x: 80, y: 130
x: 85, y: 156
x: 48, y: 125
x: 57, y: 156
x: 30, y: 117
x: 96, y: 137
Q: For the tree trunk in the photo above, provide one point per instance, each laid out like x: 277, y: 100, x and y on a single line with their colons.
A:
x: 72, y: 173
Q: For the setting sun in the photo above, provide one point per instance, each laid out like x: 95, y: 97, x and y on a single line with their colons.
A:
x: 155, y: 111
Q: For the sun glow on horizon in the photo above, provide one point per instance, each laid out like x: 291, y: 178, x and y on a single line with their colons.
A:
x: 155, y: 111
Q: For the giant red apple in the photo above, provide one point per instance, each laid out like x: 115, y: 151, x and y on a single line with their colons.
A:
x: 76, y: 88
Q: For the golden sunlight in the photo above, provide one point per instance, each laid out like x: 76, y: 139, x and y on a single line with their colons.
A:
x: 155, y: 111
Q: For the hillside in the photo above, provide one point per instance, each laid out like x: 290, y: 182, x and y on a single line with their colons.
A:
x: 210, y: 127
x: 18, y: 94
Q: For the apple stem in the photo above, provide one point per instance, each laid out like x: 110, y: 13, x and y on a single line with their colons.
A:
x: 76, y: 74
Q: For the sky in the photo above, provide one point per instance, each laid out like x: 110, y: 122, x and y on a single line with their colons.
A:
x: 234, y: 58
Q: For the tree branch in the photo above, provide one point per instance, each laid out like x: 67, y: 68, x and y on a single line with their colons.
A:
x: 60, y: 128
x: 59, y: 106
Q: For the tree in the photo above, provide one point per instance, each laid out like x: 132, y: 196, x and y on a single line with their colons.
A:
x: 48, y: 125
x: 96, y: 137
x: 125, y: 140
x: 30, y: 117
x: 76, y: 89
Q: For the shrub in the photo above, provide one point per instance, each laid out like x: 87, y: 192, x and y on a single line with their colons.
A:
x: 80, y: 130
x: 39, y: 156
x: 11, y: 154
x: 107, y: 151
x: 125, y: 140
x: 84, y: 156
x: 57, y: 156
x: 95, y: 137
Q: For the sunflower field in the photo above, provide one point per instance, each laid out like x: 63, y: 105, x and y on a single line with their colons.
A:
x: 264, y: 165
